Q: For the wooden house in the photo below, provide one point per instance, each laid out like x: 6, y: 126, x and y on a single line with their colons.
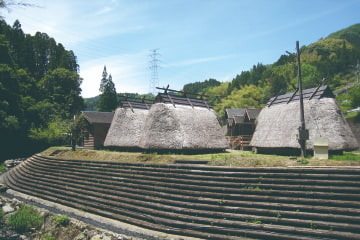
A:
x: 99, y: 124
x: 241, y: 124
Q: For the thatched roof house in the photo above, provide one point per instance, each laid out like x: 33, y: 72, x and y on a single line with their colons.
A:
x: 128, y: 124
x: 99, y: 124
x: 174, y: 122
x: 241, y: 121
x: 278, y: 122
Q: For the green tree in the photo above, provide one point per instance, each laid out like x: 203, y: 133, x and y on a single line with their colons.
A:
x: 200, y: 87
x: 57, y: 132
x: 61, y: 87
x: 215, y: 94
x: 355, y: 96
x: 107, y: 99
x: 248, y: 96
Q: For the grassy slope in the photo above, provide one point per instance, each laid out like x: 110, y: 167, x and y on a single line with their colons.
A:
x: 232, y: 158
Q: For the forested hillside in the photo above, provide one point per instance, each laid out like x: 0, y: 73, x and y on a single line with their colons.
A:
x: 335, y: 58
x: 39, y: 90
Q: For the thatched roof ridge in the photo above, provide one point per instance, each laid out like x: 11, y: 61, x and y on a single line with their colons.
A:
x: 175, y: 99
x: 98, y: 117
x: 134, y: 104
x: 308, y: 94
x: 277, y: 126
x: 182, y: 127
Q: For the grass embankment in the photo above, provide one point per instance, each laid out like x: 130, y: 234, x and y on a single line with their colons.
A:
x: 229, y: 158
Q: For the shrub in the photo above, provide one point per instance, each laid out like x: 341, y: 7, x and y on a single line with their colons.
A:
x: 61, y: 220
x: 24, y: 219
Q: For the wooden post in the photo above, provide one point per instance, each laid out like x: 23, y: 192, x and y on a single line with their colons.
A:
x: 303, y: 133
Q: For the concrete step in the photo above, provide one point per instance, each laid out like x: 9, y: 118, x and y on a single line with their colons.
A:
x: 203, y: 201
x: 176, y: 220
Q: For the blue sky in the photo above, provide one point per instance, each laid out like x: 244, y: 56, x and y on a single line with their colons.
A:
x: 196, y: 39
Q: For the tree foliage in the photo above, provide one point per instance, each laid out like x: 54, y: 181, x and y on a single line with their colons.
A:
x: 248, y: 96
x: 200, y: 87
x: 39, y: 90
x: 107, y: 99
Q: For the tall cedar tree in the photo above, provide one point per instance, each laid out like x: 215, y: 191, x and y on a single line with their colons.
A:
x: 107, y: 100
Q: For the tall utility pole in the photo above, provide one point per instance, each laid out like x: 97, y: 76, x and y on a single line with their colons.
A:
x: 153, y: 65
x: 303, y: 132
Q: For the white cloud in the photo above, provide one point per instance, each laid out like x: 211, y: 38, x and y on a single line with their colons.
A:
x: 76, y: 22
x: 195, y: 61
x: 129, y: 73
x: 104, y: 10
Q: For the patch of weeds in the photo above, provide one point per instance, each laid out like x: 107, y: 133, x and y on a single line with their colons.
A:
x: 253, y: 188
x: 257, y: 162
x: 313, y: 225
x: 61, y: 220
x: 50, y: 238
x: 303, y: 161
x: 254, y: 221
x: 278, y: 215
x: 24, y: 219
x: 346, y: 156
x: 146, y: 157
x: 2, y: 168
x: 1, y: 213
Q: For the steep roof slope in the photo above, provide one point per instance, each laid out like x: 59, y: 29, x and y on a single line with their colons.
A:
x: 182, y: 127
x: 277, y: 124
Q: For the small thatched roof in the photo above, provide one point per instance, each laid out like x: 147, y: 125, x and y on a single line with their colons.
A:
x: 232, y: 112
x: 182, y: 127
x: 277, y: 124
x: 253, y: 113
x: 238, y: 115
x: 98, y: 117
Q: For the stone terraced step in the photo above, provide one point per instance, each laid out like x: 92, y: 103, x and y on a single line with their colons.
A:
x: 124, y: 188
x: 330, y: 192
x: 202, y: 201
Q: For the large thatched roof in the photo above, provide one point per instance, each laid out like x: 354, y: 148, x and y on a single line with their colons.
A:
x: 182, y: 127
x: 165, y: 127
x: 277, y: 124
x: 127, y: 126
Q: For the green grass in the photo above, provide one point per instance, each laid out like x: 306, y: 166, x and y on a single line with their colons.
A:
x: 230, y: 158
x: 2, y: 168
x: 346, y: 156
x: 24, y: 219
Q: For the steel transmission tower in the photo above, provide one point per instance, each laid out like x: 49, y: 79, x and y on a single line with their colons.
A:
x: 153, y: 65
